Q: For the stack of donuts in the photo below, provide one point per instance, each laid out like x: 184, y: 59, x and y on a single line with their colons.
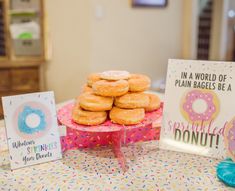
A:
x: 117, y: 95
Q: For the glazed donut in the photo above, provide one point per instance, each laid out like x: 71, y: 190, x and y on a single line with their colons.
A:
x: 199, y: 105
x: 138, y: 82
x: 115, y: 75
x: 92, y: 102
x: 83, y: 117
x: 132, y: 101
x: 92, y: 78
x: 154, y: 102
x: 110, y: 88
x: 126, y: 116
x: 86, y: 88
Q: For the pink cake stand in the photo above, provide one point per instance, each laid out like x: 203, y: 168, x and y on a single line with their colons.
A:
x: 108, y: 133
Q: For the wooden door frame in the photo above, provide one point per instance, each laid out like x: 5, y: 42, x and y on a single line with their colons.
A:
x: 218, y: 39
x: 219, y: 29
x: 190, y: 29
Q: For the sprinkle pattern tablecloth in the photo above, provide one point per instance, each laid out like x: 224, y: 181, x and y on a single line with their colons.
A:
x: 97, y: 169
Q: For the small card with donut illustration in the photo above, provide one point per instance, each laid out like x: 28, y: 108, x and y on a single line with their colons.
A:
x: 31, y: 128
x: 199, y: 108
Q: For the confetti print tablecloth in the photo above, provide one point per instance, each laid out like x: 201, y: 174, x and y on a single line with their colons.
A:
x: 97, y: 169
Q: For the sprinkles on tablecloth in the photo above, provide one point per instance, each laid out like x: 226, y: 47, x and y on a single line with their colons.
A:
x: 97, y: 169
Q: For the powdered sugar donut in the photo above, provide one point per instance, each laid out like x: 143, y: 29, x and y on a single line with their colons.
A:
x: 229, y: 138
x: 110, y: 88
x: 115, y: 75
x: 199, y: 105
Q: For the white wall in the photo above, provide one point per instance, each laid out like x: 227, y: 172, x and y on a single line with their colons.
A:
x: 134, y: 39
x: 68, y: 25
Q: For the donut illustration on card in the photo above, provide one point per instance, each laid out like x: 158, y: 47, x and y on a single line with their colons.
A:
x: 200, y: 105
x: 229, y: 138
x: 31, y: 128
x: 32, y: 120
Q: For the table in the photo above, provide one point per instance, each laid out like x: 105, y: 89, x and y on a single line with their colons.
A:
x: 97, y: 169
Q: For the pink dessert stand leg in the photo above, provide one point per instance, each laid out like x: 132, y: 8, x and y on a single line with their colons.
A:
x: 80, y: 136
x: 117, y: 138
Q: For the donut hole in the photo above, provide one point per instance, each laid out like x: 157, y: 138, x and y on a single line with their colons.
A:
x: 33, y: 120
x: 199, y: 106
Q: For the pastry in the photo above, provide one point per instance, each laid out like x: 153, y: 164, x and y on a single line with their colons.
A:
x: 83, y: 117
x: 92, y: 78
x: 154, y: 102
x: 92, y: 102
x: 114, y: 87
x: 110, y: 88
x: 138, y: 82
x: 126, y: 116
x: 132, y: 100
x: 115, y: 75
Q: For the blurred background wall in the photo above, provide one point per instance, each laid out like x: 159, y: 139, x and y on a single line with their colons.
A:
x: 96, y: 35
x: 69, y: 46
x: 135, y: 39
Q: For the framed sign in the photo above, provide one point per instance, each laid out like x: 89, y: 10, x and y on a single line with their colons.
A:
x: 32, y: 129
x: 149, y: 3
x: 199, y: 108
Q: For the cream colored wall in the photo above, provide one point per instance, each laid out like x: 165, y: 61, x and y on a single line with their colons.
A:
x: 134, y: 39
x: 68, y: 26
x: 190, y: 29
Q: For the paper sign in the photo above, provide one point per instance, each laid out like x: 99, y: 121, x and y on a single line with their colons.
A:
x: 199, y: 108
x: 32, y: 129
